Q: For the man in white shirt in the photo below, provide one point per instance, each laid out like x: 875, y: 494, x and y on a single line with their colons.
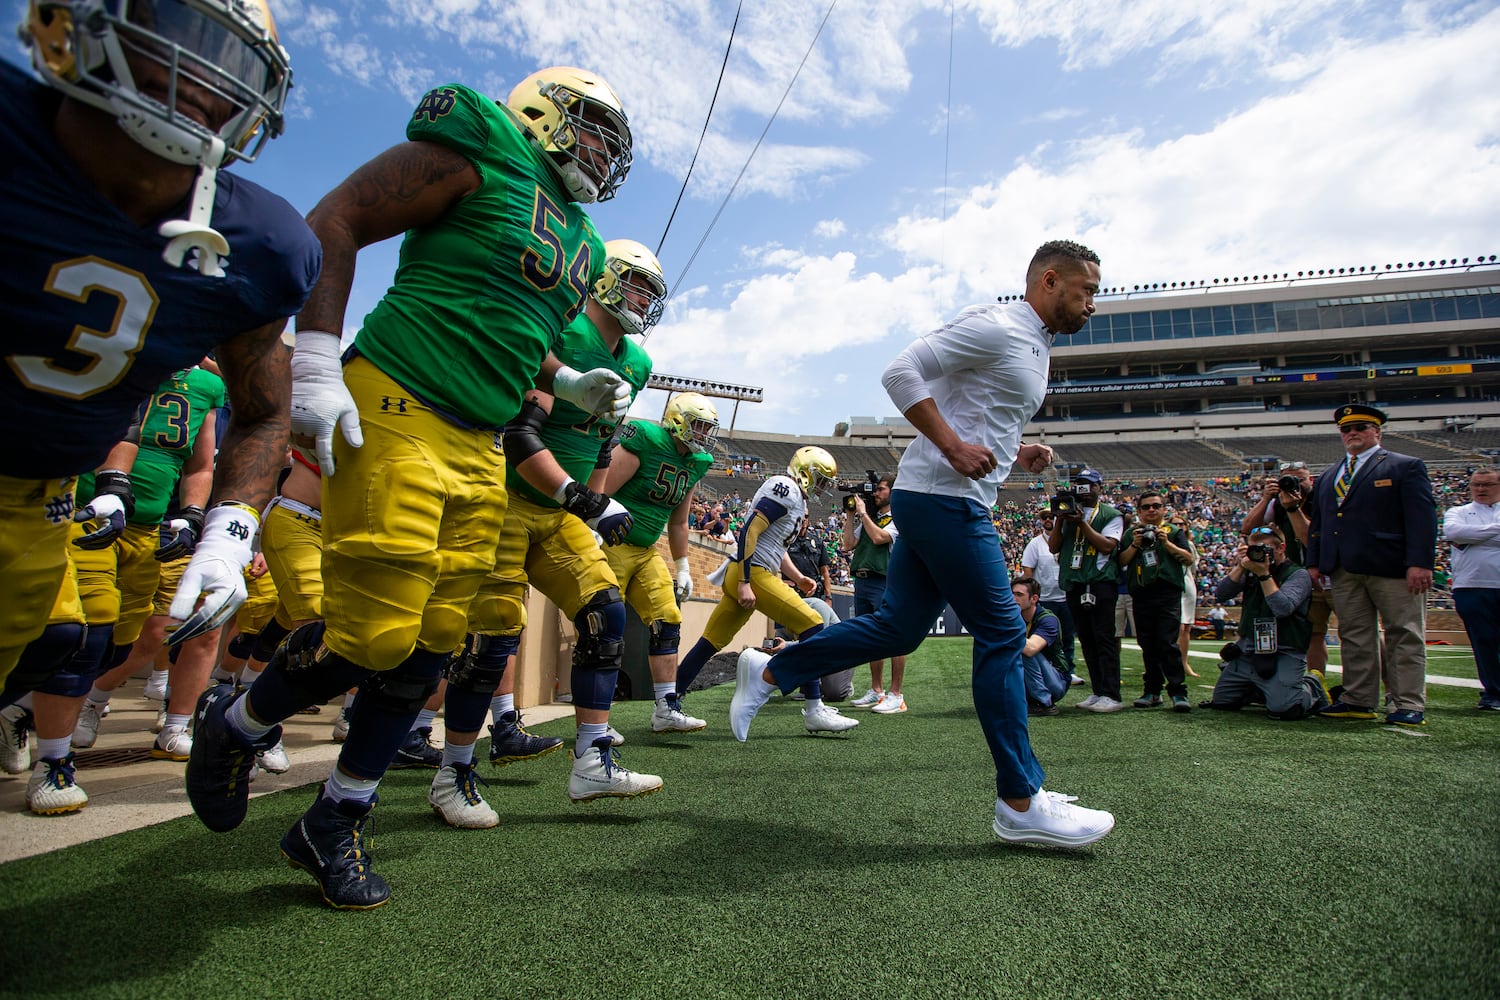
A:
x: 1039, y: 563
x: 968, y: 388
x: 1474, y: 532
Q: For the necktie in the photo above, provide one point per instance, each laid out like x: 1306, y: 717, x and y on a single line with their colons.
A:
x: 1345, y: 480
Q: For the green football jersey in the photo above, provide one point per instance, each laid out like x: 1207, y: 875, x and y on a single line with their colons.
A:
x: 572, y: 436
x: 664, y: 478
x: 169, y: 429
x: 480, y: 295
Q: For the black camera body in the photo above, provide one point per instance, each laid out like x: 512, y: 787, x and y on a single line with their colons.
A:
x: 1066, y: 502
x: 1145, y: 536
x: 1258, y: 553
x: 1289, y: 484
x: 865, y: 489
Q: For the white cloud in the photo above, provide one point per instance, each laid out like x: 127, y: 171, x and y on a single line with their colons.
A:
x: 827, y: 229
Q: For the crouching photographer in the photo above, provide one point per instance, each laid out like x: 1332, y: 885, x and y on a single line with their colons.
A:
x: 1274, y: 630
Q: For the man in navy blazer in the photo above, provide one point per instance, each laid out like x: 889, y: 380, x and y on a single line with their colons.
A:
x: 1374, y: 534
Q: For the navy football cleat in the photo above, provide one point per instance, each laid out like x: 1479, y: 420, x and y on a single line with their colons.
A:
x: 218, y: 767
x: 510, y: 742
x: 329, y: 843
x: 418, y: 751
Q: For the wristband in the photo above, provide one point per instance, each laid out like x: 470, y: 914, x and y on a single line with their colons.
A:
x: 681, y: 564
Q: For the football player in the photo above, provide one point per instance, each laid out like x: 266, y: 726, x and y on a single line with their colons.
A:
x: 497, y: 258
x: 545, y: 544
x: 653, y: 472
x: 752, y: 579
x: 106, y: 291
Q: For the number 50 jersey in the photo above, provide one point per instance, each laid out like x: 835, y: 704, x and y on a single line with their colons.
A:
x: 91, y: 318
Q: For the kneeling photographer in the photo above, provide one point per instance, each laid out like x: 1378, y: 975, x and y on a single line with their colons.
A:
x: 1269, y: 655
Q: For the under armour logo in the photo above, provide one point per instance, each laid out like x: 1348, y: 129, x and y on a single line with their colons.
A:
x: 435, y: 104
x: 395, y: 404
x: 1036, y: 352
x: 59, y: 509
x: 499, y: 442
x: 239, y: 529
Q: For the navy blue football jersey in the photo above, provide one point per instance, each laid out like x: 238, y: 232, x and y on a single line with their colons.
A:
x: 93, y: 318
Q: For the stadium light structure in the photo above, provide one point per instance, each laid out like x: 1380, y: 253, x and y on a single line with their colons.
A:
x: 719, y: 390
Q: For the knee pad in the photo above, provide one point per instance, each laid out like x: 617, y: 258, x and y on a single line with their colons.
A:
x: 266, y: 642
x: 665, y: 638
x: 48, y: 662
x: 479, y: 666
x: 406, y: 688
x: 117, y: 655
x: 241, y: 646
x: 601, y: 632
x: 312, y: 677
x: 804, y: 636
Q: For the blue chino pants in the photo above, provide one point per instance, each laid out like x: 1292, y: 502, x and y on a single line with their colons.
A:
x: 947, y: 553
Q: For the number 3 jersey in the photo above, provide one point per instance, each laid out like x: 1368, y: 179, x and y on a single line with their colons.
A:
x: 93, y: 318
x: 481, y: 294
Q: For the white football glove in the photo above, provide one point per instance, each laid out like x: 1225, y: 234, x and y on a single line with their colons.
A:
x: 320, y: 400
x: 600, y: 392
x: 684, y: 580
x: 216, y: 573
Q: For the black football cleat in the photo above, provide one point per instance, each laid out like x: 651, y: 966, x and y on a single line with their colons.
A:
x: 418, y: 751
x: 219, y: 763
x: 329, y: 843
x: 510, y: 742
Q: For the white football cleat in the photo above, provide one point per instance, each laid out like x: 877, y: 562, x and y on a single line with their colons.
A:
x: 455, y: 797
x: 826, y: 719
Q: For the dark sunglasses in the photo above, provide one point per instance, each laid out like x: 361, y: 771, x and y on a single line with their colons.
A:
x: 1346, y: 428
x: 1152, y: 506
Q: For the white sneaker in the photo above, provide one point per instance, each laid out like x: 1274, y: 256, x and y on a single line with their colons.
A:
x: 15, y: 739
x: 53, y: 790
x: 670, y: 718
x: 1106, y: 704
x: 86, y: 731
x: 161, y: 718
x: 1052, y: 819
x: 1075, y: 681
x: 750, y: 692
x: 616, y: 738
x: 455, y: 797
x: 274, y: 760
x: 826, y: 719
x: 891, y: 704
x: 598, y: 774
x: 1088, y: 702
x: 869, y: 699
x: 156, y: 686
x: 341, y: 726
x: 172, y: 744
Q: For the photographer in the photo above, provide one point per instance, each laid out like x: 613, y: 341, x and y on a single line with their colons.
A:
x: 1155, y: 560
x: 1084, y: 538
x: 1282, y: 505
x: 1274, y: 630
x: 869, y: 532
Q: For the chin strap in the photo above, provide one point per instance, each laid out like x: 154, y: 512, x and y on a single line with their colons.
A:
x: 194, y: 232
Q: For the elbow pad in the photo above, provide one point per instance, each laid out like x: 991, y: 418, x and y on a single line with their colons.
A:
x: 523, y: 435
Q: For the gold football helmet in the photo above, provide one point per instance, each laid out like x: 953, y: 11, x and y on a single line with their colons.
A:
x: 195, y: 81
x: 576, y: 119
x: 693, y: 420
x: 813, y: 469
x: 632, y: 287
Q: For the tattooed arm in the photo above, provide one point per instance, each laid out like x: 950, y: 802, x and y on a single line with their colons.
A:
x: 408, y: 186
x: 258, y: 379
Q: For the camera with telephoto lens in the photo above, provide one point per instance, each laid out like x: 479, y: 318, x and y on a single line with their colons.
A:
x: 865, y: 489
x: 1289, y: 484
x: 1065, y: 502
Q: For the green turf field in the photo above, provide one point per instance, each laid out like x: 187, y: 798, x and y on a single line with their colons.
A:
x: 1250, y: 859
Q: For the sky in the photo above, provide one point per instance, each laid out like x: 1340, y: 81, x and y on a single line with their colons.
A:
x: 927, y: 147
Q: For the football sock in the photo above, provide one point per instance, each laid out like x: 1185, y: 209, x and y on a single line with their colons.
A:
x: 341, y: 786
x: 457, y: 755
x: 588, y: 732
x: 692, y: 664
x: 52, y: 749
x: 238, y: 718
x: 813, y: 704
x: 661, y: 690
x: 424, y: 718
x: 502, y: 703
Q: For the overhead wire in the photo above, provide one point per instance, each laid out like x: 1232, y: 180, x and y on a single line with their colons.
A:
x: 707, y: 118
x: 682, y: 275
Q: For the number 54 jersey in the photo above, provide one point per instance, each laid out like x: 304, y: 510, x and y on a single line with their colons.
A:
x: 92, y: 319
